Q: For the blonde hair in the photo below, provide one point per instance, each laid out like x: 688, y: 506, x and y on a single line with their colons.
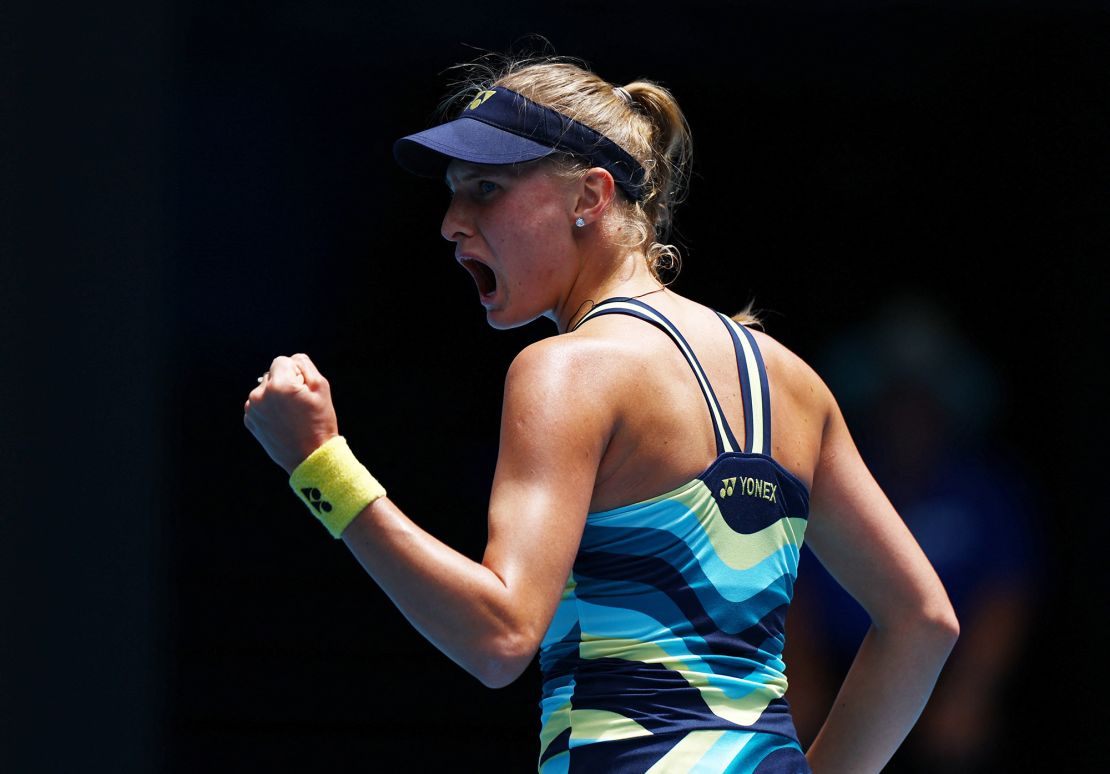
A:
x: 641, y: 117
x: 749, y: 316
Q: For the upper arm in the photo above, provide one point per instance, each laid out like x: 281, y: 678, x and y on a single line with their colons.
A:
x: 554, y: 429
x: 860, y: 538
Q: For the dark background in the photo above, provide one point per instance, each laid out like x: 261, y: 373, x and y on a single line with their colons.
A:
x: 192, y: 188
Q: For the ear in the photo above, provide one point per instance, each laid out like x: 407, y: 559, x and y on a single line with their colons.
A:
x: 595, y: 195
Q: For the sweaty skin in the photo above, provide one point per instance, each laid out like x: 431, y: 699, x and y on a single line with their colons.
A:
x: 607, y: 415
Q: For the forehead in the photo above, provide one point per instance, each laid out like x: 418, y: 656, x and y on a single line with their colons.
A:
x: 459, y: 171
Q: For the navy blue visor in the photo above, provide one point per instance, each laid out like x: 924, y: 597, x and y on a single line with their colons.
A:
x: 500, y: 126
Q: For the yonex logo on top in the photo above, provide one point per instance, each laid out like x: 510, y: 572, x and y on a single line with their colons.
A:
x: 316, y: 499
x: 752, y: 487
x: 482, y: 97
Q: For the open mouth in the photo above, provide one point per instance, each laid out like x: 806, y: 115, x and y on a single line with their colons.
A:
x: 483, y: 275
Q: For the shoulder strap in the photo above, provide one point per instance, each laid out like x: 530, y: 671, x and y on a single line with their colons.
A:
x: 753, y: 388
x: 726, y: 441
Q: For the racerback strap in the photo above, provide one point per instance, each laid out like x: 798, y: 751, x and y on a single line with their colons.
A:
x: 726, y: 441
x: 753, y: 386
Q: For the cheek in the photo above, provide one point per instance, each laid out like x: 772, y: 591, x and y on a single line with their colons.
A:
x: 529, y: 232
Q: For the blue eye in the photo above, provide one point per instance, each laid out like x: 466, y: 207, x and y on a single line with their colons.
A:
x: 485, y: 187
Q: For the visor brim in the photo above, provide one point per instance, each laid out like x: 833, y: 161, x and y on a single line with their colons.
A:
x: 429, y: 152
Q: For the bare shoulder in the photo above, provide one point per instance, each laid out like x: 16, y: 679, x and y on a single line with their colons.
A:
x: 562, y: 380
x: 591, y: 361
x: 564, y: 364
x: 554, y: 430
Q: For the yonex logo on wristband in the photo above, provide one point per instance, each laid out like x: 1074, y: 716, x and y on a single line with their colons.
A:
x: 350, y: 487
x: 316, y: 499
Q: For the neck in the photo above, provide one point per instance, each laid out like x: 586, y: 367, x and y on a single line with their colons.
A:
x: 626, y: 275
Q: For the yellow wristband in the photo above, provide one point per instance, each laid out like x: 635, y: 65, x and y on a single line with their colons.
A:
x: 334, y: 485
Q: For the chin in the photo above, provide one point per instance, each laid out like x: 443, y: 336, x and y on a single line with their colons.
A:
x: 504, y: 320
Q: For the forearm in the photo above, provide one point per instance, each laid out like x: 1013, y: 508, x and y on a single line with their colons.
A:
x: 459, y: 605
x: 882, y: 696
x: 488, y: 616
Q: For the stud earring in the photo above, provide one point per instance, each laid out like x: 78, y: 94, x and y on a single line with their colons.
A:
x: 580, y: 222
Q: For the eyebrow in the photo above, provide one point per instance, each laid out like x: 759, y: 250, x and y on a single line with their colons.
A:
x: 471, y: 171
x: 460, y: 177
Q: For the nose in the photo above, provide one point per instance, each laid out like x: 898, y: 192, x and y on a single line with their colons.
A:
x: 456, y: 222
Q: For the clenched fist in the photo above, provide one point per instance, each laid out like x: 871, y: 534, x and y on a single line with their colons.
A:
x: 290, y: 411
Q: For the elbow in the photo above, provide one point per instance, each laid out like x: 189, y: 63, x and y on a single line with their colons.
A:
x: 939, y: 625
x: 949, y: 626
x: 505, y: 660
x: 498, y: 675
x: 940, y: 617
x: 932, y: 626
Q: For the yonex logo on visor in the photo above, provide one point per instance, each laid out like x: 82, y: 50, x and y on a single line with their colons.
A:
x: 500, y: 126
x: 482, y: 97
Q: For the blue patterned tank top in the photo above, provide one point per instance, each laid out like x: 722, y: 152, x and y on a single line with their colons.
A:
x: 665, y: 650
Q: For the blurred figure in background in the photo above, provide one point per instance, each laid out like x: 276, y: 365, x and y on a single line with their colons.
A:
x: 922, y: 402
